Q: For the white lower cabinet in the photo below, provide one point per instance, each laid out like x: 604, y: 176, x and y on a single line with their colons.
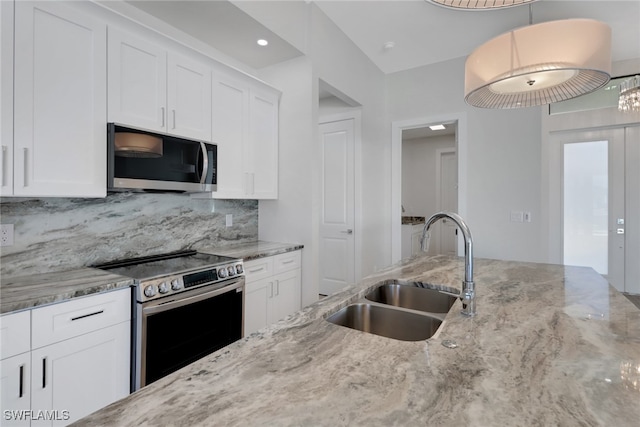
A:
x: 15, y: 387
x: 64, y: 361
x: 76, y: 377
x: 272, y: 290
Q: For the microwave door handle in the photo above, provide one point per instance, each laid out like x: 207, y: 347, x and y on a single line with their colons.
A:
x: 205, y: 163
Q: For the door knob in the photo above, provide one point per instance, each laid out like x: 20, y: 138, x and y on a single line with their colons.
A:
x: 348, y: 231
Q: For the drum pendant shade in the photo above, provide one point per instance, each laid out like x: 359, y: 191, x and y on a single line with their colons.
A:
x: 480, y: 4
x: 539, y: 64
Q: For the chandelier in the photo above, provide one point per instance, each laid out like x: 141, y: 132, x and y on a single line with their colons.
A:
x: 629, y: 95
x: 480, y: 4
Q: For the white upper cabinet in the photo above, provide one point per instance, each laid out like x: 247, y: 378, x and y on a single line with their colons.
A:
x: 230, y: 131
x: 261, y: 166
x: 158, y: 90
x: 6, y: 98
x: 245, y: 127
x: 137, y: 82
x: 60, y: 99
x: 189, y: 98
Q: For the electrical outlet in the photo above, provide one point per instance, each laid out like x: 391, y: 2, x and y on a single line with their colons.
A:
x: 527, y: 217
x: 229, y: 219
x: 6, y: 235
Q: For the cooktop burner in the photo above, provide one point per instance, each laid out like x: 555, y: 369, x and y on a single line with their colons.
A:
x: 149, y: 267
x: 163, y: 275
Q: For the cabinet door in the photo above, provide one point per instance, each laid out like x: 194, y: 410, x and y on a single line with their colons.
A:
x: 15, y: 389
x: 257, y: 297
x: 137, y: 82
x: 286, y: 295
x: 82, y: 374
x: 261, y: 153
x: 189, y: 98
x: 230, y: 101
x: 15, y: 333
x: 6, y: 98
x: 60, y: 102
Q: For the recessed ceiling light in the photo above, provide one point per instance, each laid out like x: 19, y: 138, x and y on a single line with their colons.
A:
x: 437, y: 127
x: 262, y: 42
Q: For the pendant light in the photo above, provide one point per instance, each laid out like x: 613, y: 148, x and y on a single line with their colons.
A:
x: 539, y: 64
x: 480, y: 4
x: 629, y: 100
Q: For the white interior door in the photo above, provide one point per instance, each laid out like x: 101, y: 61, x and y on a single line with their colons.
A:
x: 337, y: 243
x: 447, y: 195
x: 600, y: 216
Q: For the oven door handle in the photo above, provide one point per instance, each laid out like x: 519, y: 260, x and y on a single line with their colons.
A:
x: 190, y: 300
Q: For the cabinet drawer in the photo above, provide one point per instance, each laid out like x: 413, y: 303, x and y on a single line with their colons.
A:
x: 59, y: 322
x: 287, y: 261
x: 15, y: 330
x: 258, y: 268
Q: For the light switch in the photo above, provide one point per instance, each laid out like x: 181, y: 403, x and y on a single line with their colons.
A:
x: 229, y: 219
x: 517, y: 216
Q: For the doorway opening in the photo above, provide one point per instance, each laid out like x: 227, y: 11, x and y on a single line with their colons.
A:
x: 429, y: 185
x: 438, y: 184
x: 339, y: 217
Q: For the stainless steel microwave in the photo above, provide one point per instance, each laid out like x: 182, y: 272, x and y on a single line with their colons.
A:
x: 145, y: 161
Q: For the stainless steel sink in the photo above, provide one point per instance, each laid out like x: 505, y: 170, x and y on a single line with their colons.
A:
x: 387, y: 322
x: 412, y: 297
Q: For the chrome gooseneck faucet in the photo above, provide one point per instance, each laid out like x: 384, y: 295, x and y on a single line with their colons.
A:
x: 468, y: 295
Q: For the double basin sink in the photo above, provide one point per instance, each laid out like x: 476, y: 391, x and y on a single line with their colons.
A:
x: 402, y: 311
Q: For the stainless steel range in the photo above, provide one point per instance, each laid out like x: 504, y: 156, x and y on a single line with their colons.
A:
x: 186, y: 305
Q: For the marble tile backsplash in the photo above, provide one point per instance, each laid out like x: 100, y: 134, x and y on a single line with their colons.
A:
x: 54, y: 234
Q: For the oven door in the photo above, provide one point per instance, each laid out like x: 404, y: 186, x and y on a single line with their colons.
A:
x: 187, y: 327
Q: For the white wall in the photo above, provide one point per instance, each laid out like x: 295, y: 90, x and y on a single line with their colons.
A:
x: 290, y: 218
x: 503, y: 157
x: 329, y: 56
x: 419, y: 167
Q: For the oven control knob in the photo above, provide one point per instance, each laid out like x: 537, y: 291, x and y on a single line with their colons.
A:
x: 239, y: 269
x: 175, y: 285
x: 150, y: 291
x: 231, y: 271
x: 163, y: 288
x: 222, y: 273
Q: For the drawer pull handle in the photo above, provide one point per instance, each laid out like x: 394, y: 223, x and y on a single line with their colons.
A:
x: 44, y: 372
x: 255, y: 270
x: 21, y: 386
x: 288, y: 261
x: 87, y: 315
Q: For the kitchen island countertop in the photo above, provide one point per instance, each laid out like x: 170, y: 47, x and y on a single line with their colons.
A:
x: 550, y: 345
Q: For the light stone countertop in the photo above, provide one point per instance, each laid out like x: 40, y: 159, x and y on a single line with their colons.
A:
x: 26, y: 292
x: 551, y: 345
x: 34, y: 290
x: 253, y: 250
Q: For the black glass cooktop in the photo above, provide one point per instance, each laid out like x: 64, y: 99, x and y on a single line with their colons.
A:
x: 162, y: 265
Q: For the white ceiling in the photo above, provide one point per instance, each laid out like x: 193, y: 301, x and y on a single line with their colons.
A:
x: 422, y: 32
x: 425, y: 33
